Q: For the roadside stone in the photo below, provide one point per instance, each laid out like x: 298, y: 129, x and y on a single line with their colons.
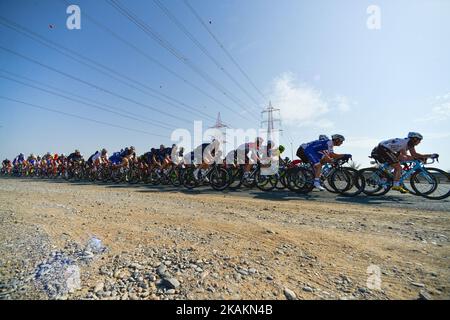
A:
x: 417, y: 284
x: 307, y: 289
x: 171, y: 283
x: 290, y: 295
x: 99, y: 287
x: 423, y: 295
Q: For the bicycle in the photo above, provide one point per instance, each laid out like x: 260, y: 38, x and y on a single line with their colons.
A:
x: 431, y: 183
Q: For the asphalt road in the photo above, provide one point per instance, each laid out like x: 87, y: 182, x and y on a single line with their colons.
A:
x: 391, y: 199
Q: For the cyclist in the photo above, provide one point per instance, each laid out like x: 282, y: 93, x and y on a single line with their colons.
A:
x: 246, y: 154
x: 203, y: 156
x: 393, y: 151
x: 75, y: 156
x: 319, y: 152
x: 128, y: 156
x: 32, y: 162
x: 7, y: 166
x: 20, y: 159
x: 75, y: 159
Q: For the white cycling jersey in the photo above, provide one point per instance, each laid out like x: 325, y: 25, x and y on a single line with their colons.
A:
x: 396, y: 145
x: 98, y: 156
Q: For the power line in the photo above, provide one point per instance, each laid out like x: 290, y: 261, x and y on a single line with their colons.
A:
x: 151, y: 59
x: 91, y: 84
x: 202, y: 48
x: 80, y: 117
x: 95, y: 65
x: 223, y: 48
x: 127, y: 113
x: 166, y: 45
x: 84, y: 103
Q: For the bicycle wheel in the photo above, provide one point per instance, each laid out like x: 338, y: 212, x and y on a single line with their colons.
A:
x: 352, y: 186
x: 290, y: 179
x: 377, y: 183
x: 265, y: 182
x: 282, y: 180
x: 302, y: 180
x: 326, y: 181
x: 434, y: 184
x: 236, y: 175
x: 188, y: 178
x: 174, y: 177
x: 219, y: 179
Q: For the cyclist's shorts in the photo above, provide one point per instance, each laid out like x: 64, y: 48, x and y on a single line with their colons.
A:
x: 384, y: 155
x: 301, y: 154
x: 313, y: 156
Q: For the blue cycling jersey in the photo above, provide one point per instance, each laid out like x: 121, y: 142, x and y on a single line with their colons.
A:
x: 320, y: 145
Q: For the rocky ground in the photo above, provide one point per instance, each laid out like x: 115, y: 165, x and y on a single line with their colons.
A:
x: 74, y: 241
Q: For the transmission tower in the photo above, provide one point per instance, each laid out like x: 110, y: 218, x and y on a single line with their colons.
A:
x: 271, y: 123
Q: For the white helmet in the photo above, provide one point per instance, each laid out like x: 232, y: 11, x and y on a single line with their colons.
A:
x: 415, y: 135
x: 338, y: 137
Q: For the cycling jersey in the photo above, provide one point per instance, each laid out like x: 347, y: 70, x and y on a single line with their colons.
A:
x: 75, y: 157
x: 92, y: 158
x: 116, y: 158
x: 397, y: 144
x: 315, y: 150
x: 18, y: 160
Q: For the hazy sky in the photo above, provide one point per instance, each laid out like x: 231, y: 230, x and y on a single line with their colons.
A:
x: 316, y: 60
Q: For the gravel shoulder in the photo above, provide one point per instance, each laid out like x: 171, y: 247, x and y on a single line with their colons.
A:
x: 175, y: 245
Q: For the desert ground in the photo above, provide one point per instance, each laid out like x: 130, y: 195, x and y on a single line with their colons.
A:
x: 61, y: 240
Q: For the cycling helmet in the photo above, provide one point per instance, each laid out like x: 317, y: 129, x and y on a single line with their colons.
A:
x: 104, y: 151
x: 132, y: 148
x: 77, y: 151
x: 323, y: 137
x: 281, y: 148
x: 338, y: 137
x: 415, y: 135
x: 62, y: 155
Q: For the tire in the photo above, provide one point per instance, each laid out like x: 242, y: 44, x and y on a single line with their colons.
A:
x: 373, y: 179
x: 282, y: 180
x: 355, y: 186
x: 265, y: 183
x: 438, y: 187
x: 175, y: 177
x: 189, y: 181
x: 219, y: 179
x: 301, y: 180
x: 236, y: 175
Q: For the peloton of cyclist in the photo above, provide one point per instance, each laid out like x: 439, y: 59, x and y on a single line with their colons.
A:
x: 319, y: 152
x: 393, y: 151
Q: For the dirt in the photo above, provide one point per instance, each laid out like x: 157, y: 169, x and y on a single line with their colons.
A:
x: 217, y: 246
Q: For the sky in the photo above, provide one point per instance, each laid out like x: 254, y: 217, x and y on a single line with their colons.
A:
x: 319, y: 62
